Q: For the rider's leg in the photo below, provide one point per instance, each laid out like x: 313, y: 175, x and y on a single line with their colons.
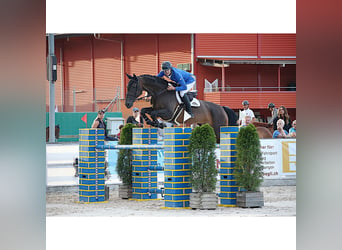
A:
x: 186, y: 100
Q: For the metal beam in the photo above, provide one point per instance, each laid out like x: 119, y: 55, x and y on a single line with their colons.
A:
x: 219, y: 63
x: 52, y: 93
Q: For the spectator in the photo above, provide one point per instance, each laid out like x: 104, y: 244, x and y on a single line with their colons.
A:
x: 136, y: 118
x: 99, y: 123
x: 118, y: 134
x: 274, y: 112
x: 292, y: 131
x: 282, y: 114
x: 280, y: 132
x: 248, y: 120
x: 245, y: 112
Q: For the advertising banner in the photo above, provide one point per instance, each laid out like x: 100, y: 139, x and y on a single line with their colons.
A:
x: 278, y: 158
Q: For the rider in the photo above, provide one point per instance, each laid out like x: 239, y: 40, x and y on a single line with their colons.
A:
x: 185, y: 79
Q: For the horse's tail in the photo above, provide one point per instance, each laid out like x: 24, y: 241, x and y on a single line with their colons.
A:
x: 232, y: 117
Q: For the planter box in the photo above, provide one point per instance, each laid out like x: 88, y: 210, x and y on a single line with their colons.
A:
x: 125, y: 191
x: 203, y: 200
x: 249, y: 199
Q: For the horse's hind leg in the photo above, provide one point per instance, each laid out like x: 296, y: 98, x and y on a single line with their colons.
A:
x: 219, y: 118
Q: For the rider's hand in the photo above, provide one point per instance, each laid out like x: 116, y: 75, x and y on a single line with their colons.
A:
x: 170, y: 87
x: 168, y: 79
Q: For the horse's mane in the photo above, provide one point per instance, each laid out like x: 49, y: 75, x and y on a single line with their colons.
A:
x: 158, y: 79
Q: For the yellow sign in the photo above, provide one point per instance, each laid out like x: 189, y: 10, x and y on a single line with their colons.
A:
x: 289, y: 156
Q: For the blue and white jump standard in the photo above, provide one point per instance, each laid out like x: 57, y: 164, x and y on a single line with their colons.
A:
x: 144, y: 163
x: 177, y: 168
x: 91, y: 166
x: 228, y: 185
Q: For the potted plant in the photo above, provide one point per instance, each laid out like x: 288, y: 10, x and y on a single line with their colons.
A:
x: 124, y: 163
x: 249, y: 171
x: 203, y: 176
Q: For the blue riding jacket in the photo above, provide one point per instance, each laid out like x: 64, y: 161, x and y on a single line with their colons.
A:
x: 179, y: 76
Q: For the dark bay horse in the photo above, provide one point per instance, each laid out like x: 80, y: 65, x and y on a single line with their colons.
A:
x: 264, y: 133
x: 264, y: 130
x: 164, y: 103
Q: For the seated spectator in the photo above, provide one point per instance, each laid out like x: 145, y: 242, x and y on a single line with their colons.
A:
x: 280, y: 132
x: 293, y: 132
x: 118, y: 134
x: 282, y: 114
x: 136, y: 118
x: 248, y: 120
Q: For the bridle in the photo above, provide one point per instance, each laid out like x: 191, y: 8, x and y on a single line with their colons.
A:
x: 135, y: 86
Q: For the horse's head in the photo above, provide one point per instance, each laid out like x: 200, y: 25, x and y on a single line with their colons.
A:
x: 133, y: 90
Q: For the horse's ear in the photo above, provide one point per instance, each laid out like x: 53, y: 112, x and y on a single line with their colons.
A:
x: 135, y: 77
x: 129, y: 76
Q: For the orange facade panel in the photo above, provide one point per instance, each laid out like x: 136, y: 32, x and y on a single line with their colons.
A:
x: 140, y: 54
x: 78, y: 74
x: 242, y: 46
x: 107, y: 70
x: 246, y: 46
x: 175, y: 48
x: 257, y: 100
x: 277, y: 46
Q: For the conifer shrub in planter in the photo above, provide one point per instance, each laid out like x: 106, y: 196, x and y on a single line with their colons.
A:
x: 249, y: 171
x: 203, y: 169
x: 124, y: 163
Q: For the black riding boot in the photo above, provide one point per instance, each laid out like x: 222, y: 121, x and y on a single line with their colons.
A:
x: 187, y: 105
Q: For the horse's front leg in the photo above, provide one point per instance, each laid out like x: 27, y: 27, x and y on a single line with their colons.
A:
x: 160, y: 113
x: 145, y: 111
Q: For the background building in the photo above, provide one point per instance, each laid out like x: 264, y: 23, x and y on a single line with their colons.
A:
x: 229, y: 68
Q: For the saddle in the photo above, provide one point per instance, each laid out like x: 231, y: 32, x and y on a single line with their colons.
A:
x: 192, y: 98
x: 193, y: 101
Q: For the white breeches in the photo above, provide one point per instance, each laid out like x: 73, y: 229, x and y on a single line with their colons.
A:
x: 188, y: 87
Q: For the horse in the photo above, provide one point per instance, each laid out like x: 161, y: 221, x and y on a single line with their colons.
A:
x: 265, y: 131
x: 164, y: 105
